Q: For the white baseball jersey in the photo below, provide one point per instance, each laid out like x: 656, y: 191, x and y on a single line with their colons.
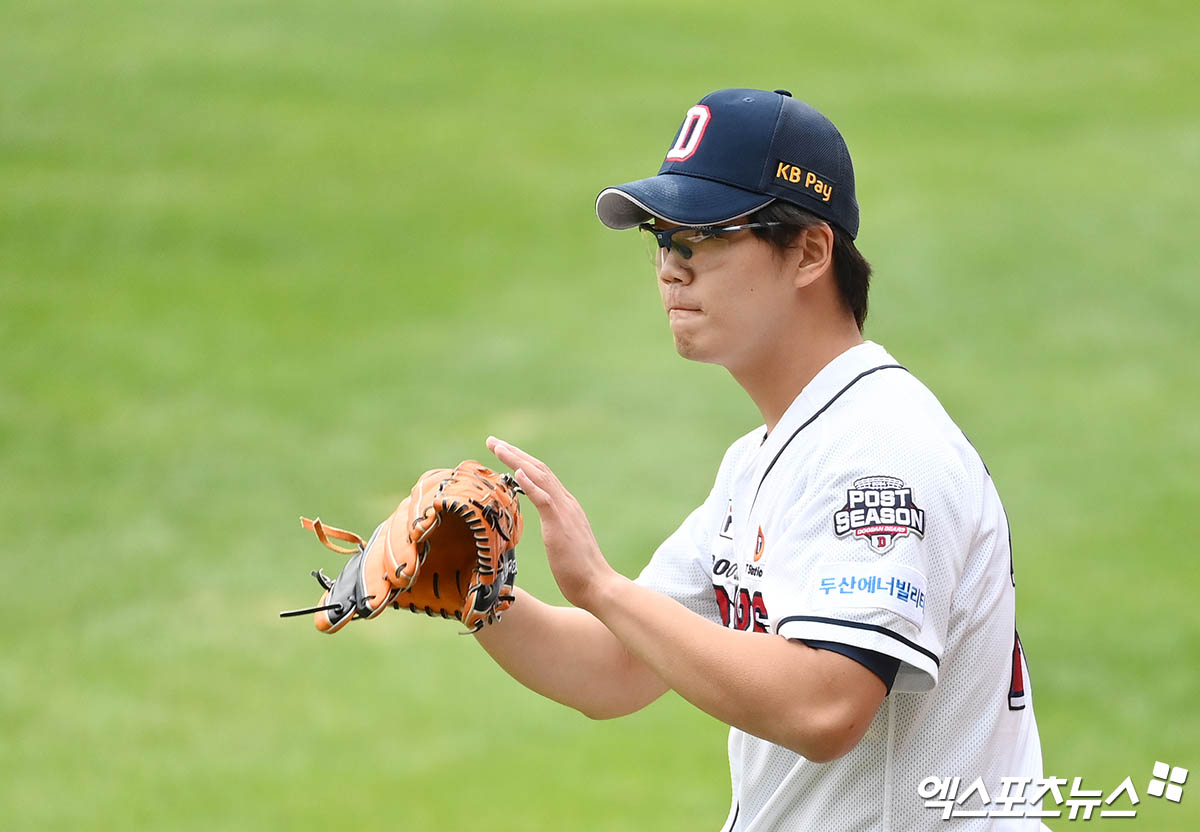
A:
x: 866, y: 518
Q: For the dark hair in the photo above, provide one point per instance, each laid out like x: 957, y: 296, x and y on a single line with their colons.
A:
x: 851, y: 269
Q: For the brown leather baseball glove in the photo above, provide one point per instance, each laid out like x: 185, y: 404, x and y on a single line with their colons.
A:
x: 448, y: 549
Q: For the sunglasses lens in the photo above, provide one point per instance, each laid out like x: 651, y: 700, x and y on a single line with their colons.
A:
x: 687, y: 243
x: 700, y: 245
x: 650, y: 243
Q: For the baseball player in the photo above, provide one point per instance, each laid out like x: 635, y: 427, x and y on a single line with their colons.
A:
x: 844, y: 598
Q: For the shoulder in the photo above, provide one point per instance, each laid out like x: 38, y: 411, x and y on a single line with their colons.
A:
x: 894, y: 416
x: 886, y: 439
x: 739, y: 453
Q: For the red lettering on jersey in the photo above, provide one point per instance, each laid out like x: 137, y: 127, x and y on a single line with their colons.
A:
x: 748, y: 614
x: 760, y: 612
x: 1016, y: 687
x: 743, y: 611
x: 723, y: 604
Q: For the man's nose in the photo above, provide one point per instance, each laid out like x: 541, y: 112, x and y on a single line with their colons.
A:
x: 672, y: 268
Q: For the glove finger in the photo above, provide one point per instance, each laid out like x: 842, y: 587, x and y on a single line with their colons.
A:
x: 399, y: 556
x: 331, y: 620
x: 361, y: 590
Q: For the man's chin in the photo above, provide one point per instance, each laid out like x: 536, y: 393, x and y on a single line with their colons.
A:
x: 689, y: 349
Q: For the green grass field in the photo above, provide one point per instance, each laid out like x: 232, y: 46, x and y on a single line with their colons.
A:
x: 244, y: 244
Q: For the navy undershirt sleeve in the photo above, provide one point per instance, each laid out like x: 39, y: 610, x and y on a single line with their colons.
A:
x: 882, y: 665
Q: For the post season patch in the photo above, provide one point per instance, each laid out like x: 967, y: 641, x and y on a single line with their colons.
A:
x: 879, y: 510
x: 879, y: 585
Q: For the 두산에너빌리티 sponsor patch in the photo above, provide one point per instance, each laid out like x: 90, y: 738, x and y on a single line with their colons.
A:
x: 880, y: 585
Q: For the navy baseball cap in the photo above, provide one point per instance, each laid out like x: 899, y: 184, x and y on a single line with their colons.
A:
x: 737, y: 151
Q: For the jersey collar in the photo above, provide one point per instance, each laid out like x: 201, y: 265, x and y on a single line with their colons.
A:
x: 817, y: 394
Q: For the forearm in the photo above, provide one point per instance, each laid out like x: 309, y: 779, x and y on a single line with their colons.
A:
x: 781, y: 691
x: 567, y: 655
x: 815, y: 702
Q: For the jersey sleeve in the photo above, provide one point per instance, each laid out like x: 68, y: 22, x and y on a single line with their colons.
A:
x: 871, y: 552
x: 681, y: 566
x: 884, y: 666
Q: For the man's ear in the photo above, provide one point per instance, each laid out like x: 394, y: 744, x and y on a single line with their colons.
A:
x: 813, y: 254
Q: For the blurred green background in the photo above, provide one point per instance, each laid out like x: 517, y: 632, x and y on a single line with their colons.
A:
x: 260, y: 259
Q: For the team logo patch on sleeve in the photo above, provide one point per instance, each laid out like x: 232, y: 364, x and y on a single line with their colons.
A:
x: 879, y: 510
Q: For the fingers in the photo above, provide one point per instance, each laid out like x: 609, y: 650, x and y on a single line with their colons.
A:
x: 533, y: 475
x: 532, y: 490
x: 506, y: 452
x: 515, y: 458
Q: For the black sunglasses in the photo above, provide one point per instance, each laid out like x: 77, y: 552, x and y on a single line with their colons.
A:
x: 700, y: 234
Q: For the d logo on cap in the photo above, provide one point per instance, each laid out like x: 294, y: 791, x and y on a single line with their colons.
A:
x: 690, y: 134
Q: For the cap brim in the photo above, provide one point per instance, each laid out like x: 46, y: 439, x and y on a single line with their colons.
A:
x: 686, y: 200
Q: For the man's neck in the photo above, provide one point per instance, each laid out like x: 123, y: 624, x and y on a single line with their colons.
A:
x: 774, y: 384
